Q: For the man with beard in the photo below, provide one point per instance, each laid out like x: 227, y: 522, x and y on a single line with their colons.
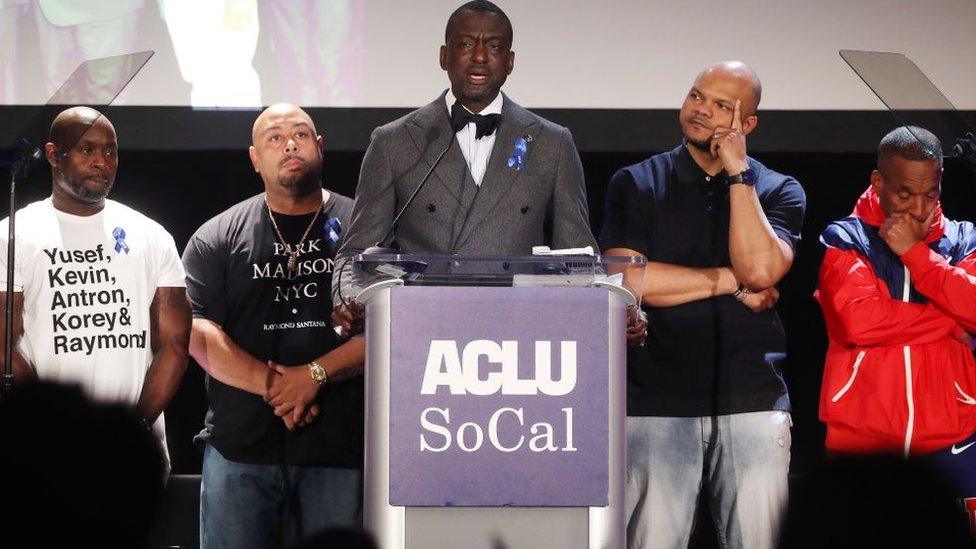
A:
x: 707, y: 405
x: 508, y: 180
x: 100, y: 296
x: 285, y: 394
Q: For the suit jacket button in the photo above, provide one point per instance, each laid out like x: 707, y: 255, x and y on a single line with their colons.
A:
x: 525, y: 210
x: 431, y: 207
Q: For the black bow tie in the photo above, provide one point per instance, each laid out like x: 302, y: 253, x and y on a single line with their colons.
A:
x: 484, y: 124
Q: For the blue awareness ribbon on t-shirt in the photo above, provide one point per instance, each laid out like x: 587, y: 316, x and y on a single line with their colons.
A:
x: 517, y: 160
x: 332, y: 229
x: 118, y: 234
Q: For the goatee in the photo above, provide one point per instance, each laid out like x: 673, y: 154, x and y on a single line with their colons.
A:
x: 704, y: 146
x: 89, y: 196
x: 303, y: 183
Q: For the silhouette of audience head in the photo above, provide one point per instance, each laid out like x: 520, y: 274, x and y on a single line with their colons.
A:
x: 75, y: 473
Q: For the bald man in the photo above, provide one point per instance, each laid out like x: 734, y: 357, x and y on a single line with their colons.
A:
x: 707, y: 404
x: 100, y: 293
x: 286, y: 397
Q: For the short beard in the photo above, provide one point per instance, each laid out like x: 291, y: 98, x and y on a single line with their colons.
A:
x: 704, y: 146
x: 304, y: 184
x: 85, y: 195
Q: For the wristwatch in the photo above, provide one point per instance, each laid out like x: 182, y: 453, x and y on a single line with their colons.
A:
x: 318, y: 373
x: 747, y: 177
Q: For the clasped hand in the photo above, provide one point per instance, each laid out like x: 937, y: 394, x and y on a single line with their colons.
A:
x: 291, y: 392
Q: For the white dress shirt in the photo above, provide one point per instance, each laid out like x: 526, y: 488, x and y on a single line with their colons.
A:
x: 476, y: 151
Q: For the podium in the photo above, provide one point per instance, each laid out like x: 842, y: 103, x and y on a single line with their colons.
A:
x: 495, y: 400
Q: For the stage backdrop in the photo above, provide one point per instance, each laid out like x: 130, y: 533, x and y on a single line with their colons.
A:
x: 570, y: 53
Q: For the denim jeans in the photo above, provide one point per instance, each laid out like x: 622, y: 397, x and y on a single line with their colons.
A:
x: 742, y: 460
x: 263, y: 506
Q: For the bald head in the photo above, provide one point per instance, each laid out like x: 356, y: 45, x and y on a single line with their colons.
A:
x: 278, y: 116
x: 736, y: 72
x: 72, y: 123
x: 287, y: 151
x: 83, y: 153
x: 710, y: 105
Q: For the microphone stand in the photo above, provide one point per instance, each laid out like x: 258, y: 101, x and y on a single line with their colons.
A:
x: 20, y: 167
x: 386, y: 244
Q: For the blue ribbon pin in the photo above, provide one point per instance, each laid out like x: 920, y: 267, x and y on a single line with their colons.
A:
x: 332, y: 229
x: 517, y: 160
x: 118, y: 234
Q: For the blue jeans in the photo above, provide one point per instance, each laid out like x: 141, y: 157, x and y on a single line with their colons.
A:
x: 265, y: 506
x: 742, y: 460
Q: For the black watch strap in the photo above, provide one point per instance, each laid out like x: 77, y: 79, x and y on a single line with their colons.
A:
x: 747, y: 177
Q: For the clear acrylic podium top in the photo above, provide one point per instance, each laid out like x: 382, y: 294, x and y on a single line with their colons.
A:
x: 623, y: 272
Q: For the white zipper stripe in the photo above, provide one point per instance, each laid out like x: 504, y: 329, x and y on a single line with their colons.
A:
x: 847, y: 386
x: 906, y: 287
x: 909, y: 397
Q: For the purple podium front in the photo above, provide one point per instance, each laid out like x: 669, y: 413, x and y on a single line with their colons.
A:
x: 495, y: 400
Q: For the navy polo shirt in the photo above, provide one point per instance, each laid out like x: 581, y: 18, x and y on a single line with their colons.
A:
x: 713, y: 356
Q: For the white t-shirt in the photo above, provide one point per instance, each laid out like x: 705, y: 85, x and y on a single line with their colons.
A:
x: 88, y: 283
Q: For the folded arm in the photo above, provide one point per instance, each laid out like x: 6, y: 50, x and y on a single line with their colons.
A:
x: 952, y: 289
x: 860, y: 312
x: 760, y: 259
x: 666, y: 285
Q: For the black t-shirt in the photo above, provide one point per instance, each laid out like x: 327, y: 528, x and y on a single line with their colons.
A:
x: 237, y: 276
x: 713, y: 356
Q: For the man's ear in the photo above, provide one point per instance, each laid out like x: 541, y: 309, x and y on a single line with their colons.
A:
x: 253, y: 153
x: 443, y: 57
x: 877, y: 181
x: 511, y: 62
x: 52, y: 154
x: 749, y: 124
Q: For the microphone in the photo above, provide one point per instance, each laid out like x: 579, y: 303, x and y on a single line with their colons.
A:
x: 386, y: 244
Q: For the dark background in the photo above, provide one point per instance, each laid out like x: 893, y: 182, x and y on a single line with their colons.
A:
x: 168, y: 172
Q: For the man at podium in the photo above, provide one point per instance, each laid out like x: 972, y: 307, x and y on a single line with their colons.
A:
x: 502, y: 179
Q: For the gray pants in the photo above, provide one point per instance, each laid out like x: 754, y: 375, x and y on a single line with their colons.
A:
x: 742, y: 460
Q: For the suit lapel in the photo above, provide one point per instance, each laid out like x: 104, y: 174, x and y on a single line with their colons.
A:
x: 433, y: 120
x: 498, y: 178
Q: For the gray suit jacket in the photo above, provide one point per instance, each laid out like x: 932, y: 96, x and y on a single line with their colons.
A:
x: 513, y: 210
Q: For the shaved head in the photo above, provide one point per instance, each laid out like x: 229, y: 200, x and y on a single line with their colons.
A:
x: 744, y: 74
x: 72, y: 123
x: 83, y: 153
x: 286, y: 151
x: 710, y: 105
x: 274, y: 114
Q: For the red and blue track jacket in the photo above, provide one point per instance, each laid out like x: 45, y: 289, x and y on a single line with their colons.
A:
x: 898, y: 377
